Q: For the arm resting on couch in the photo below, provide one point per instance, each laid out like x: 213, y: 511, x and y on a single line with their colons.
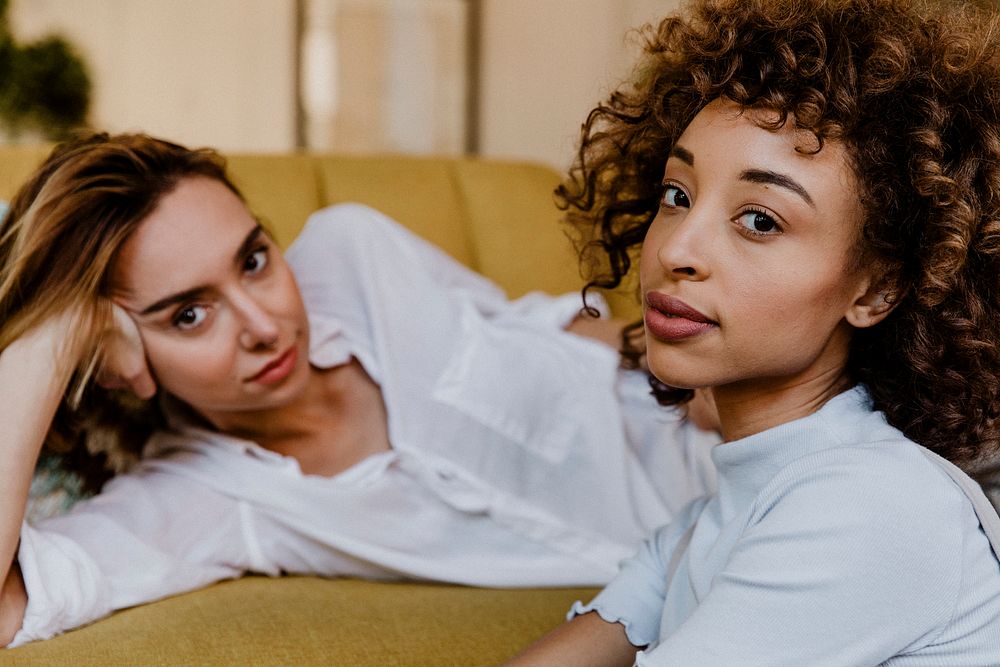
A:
x: 586, y: 641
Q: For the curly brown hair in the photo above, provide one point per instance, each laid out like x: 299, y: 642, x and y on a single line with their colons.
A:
x: 913, y: 92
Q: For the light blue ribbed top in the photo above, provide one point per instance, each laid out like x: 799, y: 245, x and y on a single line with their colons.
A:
x: 832, y: 540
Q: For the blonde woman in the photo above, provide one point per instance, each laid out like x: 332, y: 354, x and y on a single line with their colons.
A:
x: 366, y: 407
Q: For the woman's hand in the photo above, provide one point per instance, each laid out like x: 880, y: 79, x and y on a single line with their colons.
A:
x: 123, y: 358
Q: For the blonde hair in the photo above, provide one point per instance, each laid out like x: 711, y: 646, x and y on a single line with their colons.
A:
x: 58, y: 242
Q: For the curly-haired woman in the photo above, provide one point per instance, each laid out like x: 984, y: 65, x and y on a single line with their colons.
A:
x: 815, y: 187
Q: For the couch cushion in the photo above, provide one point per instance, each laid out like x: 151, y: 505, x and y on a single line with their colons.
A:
x: 421, y: 193
x: 307, y: 620
x: 281, y: 189
x: 515, y: 227
x: 16, y: 165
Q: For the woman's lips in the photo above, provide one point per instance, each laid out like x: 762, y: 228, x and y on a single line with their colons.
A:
x: 279, y: 369
x: 669, y: 318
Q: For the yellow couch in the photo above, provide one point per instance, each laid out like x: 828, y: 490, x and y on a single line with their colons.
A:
x: 498, y: 218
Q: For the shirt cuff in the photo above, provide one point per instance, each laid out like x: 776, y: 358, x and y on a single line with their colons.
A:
x: 63, y: 586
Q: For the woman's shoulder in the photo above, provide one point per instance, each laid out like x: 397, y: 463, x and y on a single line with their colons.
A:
x: 878, y: 463
x: 345, y: 227
x: 862, y: 449
x: 352, y: 245
x: 850, y: 423
x: 883, y: 498
x: 844, y: 457
x: 847, y: 464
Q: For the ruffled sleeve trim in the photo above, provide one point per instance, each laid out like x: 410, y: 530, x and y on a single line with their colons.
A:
x: 635, y: 635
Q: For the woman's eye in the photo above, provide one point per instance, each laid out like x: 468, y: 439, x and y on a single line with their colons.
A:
x: 189, y: 317
x: 758, y: 222
x: 256, y: 261
x: 673, y: 197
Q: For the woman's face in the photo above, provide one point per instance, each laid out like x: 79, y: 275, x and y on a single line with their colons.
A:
x: 218, y: 310
x: 746, y: 269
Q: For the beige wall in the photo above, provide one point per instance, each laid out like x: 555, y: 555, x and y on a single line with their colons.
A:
x: 203, y: 72
x: 221, y: 72
x: 546, y: 63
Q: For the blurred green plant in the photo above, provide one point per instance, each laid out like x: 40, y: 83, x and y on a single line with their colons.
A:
x: 44, y: 85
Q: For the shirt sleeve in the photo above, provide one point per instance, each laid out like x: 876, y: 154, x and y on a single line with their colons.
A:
x: 344, y: 244
x: 635, y: 596
x: 846, y: 566
x: 145, y: 537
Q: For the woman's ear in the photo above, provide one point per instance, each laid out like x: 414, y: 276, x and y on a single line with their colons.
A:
x: 873, y: 304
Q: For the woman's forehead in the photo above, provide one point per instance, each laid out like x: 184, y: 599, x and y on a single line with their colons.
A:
x: 190, y: 235
x: 734, y: 135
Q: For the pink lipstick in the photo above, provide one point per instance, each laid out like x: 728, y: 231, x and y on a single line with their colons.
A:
x: 277, y: 370
x: 669, y: 318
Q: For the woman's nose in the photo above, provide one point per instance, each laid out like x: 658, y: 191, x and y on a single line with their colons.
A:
x: 686, y: 245
x: 259, y: 327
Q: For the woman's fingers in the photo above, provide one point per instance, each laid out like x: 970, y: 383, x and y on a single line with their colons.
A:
x: 123, y: 359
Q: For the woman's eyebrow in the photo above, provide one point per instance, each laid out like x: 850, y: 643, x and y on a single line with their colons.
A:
x: 774, y: 178
x: 682, y: 154
x: 168, y: 301
x: 248, y: 242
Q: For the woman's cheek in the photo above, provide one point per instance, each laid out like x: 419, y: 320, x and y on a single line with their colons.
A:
x: 187, y: 369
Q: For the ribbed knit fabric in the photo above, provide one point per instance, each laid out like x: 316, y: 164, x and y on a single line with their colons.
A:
x: 832, y: 541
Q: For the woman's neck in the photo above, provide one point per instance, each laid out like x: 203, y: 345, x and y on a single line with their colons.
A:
x: 298, y: 418
x: 338, y: 420
x: 747, y: 408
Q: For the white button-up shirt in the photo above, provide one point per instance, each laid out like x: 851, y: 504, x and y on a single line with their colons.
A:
x: 521, y: 454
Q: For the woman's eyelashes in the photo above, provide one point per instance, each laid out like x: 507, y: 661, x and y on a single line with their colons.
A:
x: 753, y: 222
x: 256, y: 261
x: 674, y: 197
x: 757, y: 223
x: 189, y: 316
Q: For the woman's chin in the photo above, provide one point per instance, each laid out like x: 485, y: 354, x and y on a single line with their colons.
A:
x: 676, y: 378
